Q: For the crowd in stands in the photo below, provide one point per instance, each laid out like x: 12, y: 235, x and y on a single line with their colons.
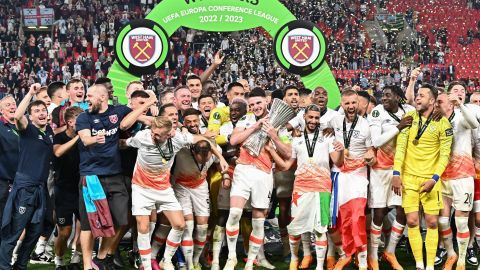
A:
x: 80, y: 44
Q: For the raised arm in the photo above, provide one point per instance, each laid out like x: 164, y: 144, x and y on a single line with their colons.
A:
x: 60, y: 149
x: 410, y: 93
x: 217, y: 61
x: 21, y: 121
x: 133, y: 116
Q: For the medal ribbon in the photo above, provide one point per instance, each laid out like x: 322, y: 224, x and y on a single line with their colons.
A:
x: 451, y: 117
x: 167, y: 156
x: 348, y: 137
x: 422, y: 128
x: 311, y: 147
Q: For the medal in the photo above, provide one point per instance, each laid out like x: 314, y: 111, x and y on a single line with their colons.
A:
x: 347, y: 137
x: 168, y: 155
x: 311, y: 147
x: 421, y: 128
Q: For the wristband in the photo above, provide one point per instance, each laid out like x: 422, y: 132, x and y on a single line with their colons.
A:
x: 435, y: 177
x: 396, y: 173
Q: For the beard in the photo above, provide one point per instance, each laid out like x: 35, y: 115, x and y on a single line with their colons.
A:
x: 95, y: 108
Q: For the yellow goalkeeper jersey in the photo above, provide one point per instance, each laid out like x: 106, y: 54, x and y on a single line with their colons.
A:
x: 432, y: 153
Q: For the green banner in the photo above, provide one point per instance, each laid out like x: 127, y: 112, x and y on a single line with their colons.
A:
x: 142, y: 45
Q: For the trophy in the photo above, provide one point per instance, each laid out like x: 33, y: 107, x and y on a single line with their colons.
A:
x: 280, y: 114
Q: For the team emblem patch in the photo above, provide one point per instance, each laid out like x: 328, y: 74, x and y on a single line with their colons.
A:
x: 375, y: 113
x: 22, y: 210
x: 216, y: 116
x: 113, y: 118
x: 300, y: 47
x: 142, y: 47
x: 61, y: 221
x: 449, y: 132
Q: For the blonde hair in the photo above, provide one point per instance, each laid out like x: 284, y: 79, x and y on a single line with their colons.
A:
x: 161, y: 122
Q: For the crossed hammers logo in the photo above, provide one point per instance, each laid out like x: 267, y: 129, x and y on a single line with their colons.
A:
x: 142, y: 50
x: 300, y: 51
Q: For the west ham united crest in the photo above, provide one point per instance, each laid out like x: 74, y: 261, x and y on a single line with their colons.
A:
x: 141, y: 47
x: 300, y: 47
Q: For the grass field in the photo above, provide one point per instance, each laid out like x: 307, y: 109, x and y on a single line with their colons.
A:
x: 273, y: 252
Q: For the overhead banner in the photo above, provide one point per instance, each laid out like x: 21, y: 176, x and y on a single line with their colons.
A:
x: 142, y: 47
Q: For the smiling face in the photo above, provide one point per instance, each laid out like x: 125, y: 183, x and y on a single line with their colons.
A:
x: 389, y: 99
x: 350, y: 104
x: 183, y: 99
x: 8, y: 106
x: 192, y: 123
x: 195, y: 87
x: 206, y: 105
x: 312, y: 120
x: 424, y: 100
x: 97, y: 99
x: 38, y: 114
x: 237, y: 111
x: 292, y: 98
x: 258, y: 105
x: 76, y: 92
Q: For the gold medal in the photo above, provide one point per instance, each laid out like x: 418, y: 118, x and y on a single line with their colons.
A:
x: 415, y: 142
x: 346, y: 152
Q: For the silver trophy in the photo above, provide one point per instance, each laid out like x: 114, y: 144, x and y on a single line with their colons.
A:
x: 280, y: 114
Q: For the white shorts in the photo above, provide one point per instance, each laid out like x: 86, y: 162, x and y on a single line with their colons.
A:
x: 223, y: 200
x: 194, y: 200
x: 250, y: 182
x: 284, y: 183
x: 461, y: 192
x: 144, y: 200
x: 380, y: 193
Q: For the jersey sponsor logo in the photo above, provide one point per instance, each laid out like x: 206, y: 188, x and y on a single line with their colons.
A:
x: 113, y: 118
x: 375, y: 113
x: 110, y: 132
x: 22, y: 210
x: 449, y: 132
